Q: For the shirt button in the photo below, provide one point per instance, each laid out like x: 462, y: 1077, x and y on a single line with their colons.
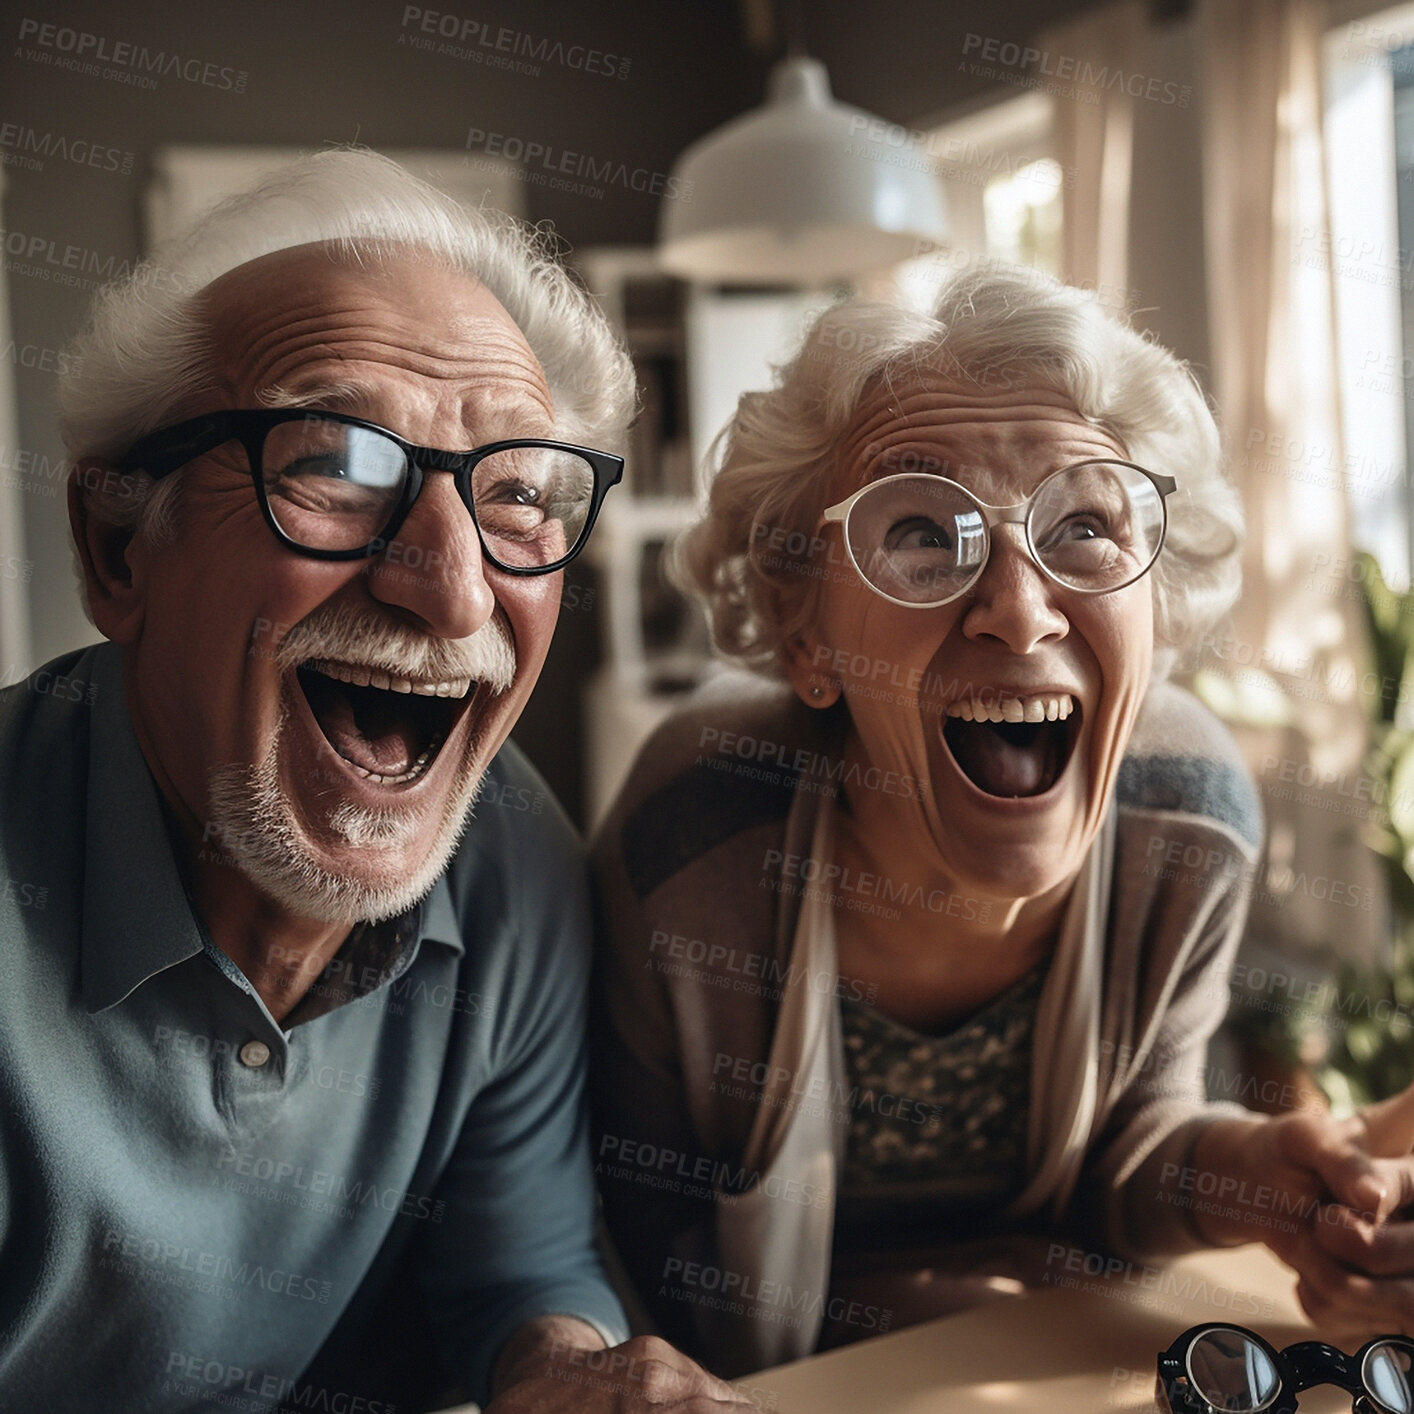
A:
x: 254, y: 1054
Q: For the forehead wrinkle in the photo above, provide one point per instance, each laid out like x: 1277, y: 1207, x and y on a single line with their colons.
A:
x: 940, y: 402
x: 884, y: 416
x: 297, y: 369
x: 476, y: 405
x: 1004, y: 453
x: 270, y: 343
x: 497, y: 377
x: 1002, y: 428
x: 272, y: 354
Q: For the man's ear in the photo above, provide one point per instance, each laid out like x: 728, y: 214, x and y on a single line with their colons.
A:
x: 108, y: 556
x: 809, y: 665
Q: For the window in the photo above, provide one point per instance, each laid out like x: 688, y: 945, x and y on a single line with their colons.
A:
x: 1003, y: 189
x: 1369, y: 132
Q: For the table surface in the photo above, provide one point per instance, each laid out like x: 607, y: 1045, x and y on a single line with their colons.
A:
x: 1068, y: 1349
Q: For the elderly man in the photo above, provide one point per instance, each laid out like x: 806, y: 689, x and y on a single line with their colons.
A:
x: 290, y: 1064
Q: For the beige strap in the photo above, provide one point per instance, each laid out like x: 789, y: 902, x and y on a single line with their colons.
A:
x: 1065, y: 1092
x: 775, y: 1238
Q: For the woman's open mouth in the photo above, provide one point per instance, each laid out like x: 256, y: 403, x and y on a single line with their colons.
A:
x: 1013, y: 747
x: 388, y: 729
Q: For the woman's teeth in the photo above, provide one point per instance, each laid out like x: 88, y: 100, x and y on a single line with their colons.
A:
x: 369, y: 677
x: 1045, y: 707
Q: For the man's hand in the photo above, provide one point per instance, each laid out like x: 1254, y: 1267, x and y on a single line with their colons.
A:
x: 558, y: 1365
x: 1325, y: 1196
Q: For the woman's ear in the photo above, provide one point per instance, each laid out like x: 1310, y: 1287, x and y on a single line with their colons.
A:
x: 110, y: 558
x: 808, y: 665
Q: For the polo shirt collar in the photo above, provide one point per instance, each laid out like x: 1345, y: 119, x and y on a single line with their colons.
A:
x: 137, y: 920
x: 439, y: 919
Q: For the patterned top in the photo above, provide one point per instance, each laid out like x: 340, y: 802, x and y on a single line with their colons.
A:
x: 699, y: 870
x: 950, y: 1109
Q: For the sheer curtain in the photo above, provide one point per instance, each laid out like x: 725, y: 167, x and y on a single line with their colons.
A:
x: 1270, y: 324
x: 1275, y: 379
x: 1242, y: 235
x: 1273, y: 334
x: 1094, y: 144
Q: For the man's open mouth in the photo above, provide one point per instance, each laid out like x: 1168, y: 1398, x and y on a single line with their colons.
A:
x: 1014, y: 746
x: 388, y: 729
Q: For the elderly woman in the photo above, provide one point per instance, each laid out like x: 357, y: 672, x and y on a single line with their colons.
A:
x: 911, y: 965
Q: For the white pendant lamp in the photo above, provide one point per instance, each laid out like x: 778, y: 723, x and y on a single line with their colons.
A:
x: 801, y: 191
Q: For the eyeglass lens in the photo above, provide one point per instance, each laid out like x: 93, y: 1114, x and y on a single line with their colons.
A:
x: 923, y: 540
x: 1232, y: 1372
x: 1388, y: 1375
x: 333, y: 486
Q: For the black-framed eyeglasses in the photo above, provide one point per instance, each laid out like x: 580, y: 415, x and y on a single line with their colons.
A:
x: 922, y: 540
x: 1224, y: 1369
x: 338, y: 488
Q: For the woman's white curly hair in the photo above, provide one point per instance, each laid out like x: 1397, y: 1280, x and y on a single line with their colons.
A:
x: 998, y: 325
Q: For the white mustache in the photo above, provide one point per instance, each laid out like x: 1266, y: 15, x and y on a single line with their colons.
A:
x: 342, y: 634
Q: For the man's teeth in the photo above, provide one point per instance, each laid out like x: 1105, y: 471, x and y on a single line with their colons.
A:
x: 1046, y: 707
x: 370, y: 677
x: 411, y: 774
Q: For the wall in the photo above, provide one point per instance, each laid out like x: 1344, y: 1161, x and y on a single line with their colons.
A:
x: 316, y: 73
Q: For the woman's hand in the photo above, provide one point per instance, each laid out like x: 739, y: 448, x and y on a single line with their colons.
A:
x: 1325, y: 1195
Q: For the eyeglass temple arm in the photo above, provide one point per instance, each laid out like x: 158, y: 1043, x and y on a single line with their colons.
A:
x: 160, y: 454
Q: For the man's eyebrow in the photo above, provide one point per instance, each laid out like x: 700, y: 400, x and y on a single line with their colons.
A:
x: 355, y: 397
x: 335, y: 397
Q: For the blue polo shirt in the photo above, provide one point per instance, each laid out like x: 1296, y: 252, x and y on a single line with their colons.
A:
x: 202, y: 1208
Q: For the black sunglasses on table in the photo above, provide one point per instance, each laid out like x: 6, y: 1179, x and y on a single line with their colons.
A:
x: 1224, y: 1369
x: 336, y: 487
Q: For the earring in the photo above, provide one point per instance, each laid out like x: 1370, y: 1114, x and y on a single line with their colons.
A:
x: 817, y: 692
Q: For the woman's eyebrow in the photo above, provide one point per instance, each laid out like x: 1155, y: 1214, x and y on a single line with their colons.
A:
x: 903, y: 458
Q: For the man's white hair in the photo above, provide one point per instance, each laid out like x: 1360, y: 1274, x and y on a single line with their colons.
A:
x: 146, y: 349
